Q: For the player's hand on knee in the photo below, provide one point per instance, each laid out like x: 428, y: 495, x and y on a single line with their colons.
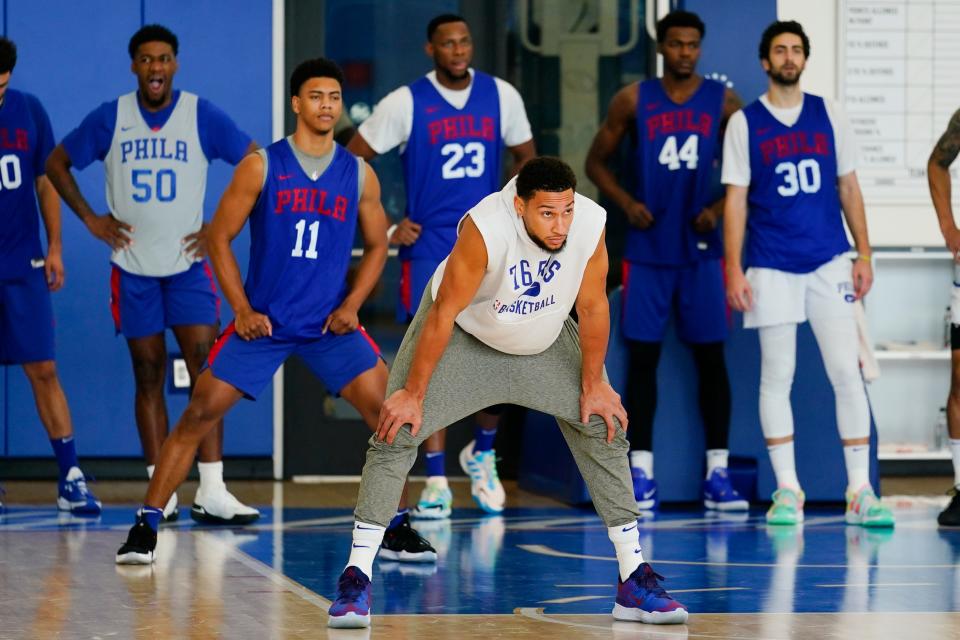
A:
x: 601, y: 400
x: 739, y: 291
x: 401, y: 408
x: 638, y: 215
x: 110, y: 230
x: 251, y: 325
x: 342, y: 320
x: 195, y: 244
x: 406, y: 233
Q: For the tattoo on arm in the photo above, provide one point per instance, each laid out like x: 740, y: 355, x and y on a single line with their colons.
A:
x: 948, y: 147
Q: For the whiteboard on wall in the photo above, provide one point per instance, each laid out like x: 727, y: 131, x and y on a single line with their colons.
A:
x: 898, y: 81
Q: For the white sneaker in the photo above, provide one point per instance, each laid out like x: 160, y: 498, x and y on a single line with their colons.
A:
x: 171, y: 512
x: 436, y: 500
x: 485, y: 484
x: 219, y: 506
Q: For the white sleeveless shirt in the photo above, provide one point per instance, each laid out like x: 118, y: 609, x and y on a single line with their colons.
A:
x: 526, y: 293
x: 155, y: 182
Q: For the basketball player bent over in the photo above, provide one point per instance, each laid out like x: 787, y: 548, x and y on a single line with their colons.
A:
x: 493, y: 326
x: 451, y: 126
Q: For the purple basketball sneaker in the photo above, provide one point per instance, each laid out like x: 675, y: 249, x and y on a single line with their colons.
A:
x: 642, y: 599
x: 351, y: 609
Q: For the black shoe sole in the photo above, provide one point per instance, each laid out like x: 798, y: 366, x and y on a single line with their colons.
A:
x: 200, y: 515
x: 173, y: 517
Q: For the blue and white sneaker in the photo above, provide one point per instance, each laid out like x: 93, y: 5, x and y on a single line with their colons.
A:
x: 485, y: 486
x: 644, y: 490
x: 436, y: 500
x: 719, y: 494
x: 351, y: 607
x: 642, y: 599
x: 75, y: 497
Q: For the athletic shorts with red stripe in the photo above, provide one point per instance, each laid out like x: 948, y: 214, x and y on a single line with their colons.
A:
x: 414, y: 276
x: 146, y: 305
x: 26, y: 319
x: 696, y: 293
x: 249, y: 365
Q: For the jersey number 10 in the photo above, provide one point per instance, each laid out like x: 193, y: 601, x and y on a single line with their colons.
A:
x: 10, y: 176
x: 671, y: 156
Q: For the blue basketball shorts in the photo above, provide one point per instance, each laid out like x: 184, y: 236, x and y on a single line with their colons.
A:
x: 695, y: 293
x: 26, y: 319
x: 414, y: 276
x: 249, y: 365
x: 146, y: 305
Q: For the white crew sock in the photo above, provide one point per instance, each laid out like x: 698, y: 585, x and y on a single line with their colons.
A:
x: 857, y: 458
x: 211, y: 475
x: 366, y: 544
x: 955, y: 450
x: 150, y: 468
x: 642, y: 460
x: 784, y: 467
x: 717, y: 459
x: 626, y: 543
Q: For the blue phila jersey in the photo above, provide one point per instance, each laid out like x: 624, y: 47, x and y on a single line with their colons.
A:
x: 793, y: 220
x: 450, y: 163
x: 677, y: 164
x: 301, y: 234
x: 26, y: 139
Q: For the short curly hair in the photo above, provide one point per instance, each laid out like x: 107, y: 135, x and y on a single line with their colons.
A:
x: 545, y: 173
x: 152, y: 33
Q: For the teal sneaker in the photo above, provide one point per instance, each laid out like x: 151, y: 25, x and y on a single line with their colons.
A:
x: 865, y: 509
x: 787, y: 507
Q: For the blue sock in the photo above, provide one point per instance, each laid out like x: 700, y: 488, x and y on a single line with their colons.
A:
x: 436, y: 463
x: 483, y: 439
x: 152, y: 516
x: 397, y: 519
x: 66, y: 452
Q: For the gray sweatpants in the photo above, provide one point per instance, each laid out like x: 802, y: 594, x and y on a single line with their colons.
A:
x: 472, y: 376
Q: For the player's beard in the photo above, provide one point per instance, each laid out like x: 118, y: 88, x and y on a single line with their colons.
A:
x: 777, y: 76
x: 453, y: 77
x: 540, y: 243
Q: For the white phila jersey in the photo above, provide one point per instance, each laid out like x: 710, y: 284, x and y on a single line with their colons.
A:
x: 527, y: 292
x: 155, y: 183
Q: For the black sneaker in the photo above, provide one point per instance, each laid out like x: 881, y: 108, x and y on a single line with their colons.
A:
x: 403, y: 544
x: 950, y: 517
x: 140, y: 544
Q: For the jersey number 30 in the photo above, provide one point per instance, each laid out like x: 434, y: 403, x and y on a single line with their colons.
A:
x: 672, y: 157
x: 475, y: 152
x: 802, y: 176
x: 10, y: 176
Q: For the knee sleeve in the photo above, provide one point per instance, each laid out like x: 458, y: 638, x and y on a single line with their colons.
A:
x: 778, y: 355
x: 837, y: 339
x: 714, y: 392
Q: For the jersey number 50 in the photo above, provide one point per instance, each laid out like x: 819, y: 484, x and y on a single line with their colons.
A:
x: 10, y: 176
x: 476, y: 153
x: 147, y: 184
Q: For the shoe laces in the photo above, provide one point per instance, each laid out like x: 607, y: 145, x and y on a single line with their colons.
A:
x: 350, y: 585
x: 650, y: 580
